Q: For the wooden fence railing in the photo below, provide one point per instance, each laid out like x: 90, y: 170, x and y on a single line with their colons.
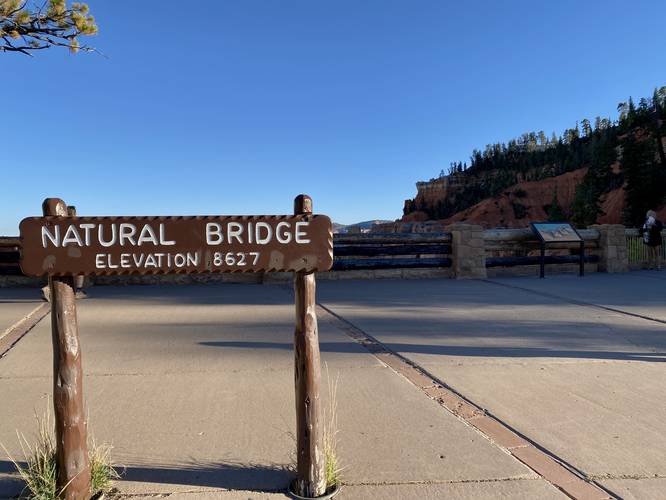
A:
x: 391, y: 251
x: 504, y: 248
x: 9, y: 256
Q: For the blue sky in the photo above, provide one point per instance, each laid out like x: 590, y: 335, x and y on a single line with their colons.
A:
x: 236, y: 107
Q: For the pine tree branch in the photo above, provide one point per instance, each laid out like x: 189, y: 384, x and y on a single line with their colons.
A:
x: 40, y: 29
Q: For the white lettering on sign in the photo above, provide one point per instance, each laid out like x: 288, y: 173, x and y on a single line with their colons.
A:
x: 147, y: 236
x: 213, y: 233
x: 100, y: 235
x: 300, y: 235
x: 163, y: 240
x: 124, y: 234
x: 266, y: 229
x: 53, y: 237
x: 234, y: 230
x: 87, y: 228
x: 72, y: 236
x: 285, y: 236
x: 127, y: 234
x: 261, y: 233
x: 146, y: 260
x: 231, y: 259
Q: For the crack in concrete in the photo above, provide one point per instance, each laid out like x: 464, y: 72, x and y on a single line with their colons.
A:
x: 440, y: 481
x: 637, y: 477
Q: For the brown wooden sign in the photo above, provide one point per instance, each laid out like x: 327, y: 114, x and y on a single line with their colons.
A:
x: 62, y: 245
x: 67, y: 246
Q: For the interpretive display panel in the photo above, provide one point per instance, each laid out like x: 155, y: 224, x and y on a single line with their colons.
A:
x: 555, y: 232
x: 558, y: 232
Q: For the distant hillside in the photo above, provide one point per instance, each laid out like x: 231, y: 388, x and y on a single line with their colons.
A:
x: 600, y: 171
x: 359, y: 227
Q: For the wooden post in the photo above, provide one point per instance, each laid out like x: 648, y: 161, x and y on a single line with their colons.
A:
x: 79, y: 280
x: 73, y: 467
x: 310, y: 468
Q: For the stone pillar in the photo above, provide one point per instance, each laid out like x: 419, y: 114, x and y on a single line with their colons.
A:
x: 468, y: 251
x: 613, y: 256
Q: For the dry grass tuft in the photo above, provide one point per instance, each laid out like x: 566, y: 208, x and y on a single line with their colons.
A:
x: 102, y: 472
x: 40, y: 470
x: 333, y: 468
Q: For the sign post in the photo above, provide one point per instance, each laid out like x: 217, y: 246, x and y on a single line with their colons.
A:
x: 71, y: 435
x: 80, y: 279
x: 66, y: 247
x: 310, y: 466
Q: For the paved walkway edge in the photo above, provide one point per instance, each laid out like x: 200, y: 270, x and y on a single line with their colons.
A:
x: 14, y: 333
x: 554, y: 470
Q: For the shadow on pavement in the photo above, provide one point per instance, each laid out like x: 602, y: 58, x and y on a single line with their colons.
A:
x: 226, y: 475
x: 510, y: 352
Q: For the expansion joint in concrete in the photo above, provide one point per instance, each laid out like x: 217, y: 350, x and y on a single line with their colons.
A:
x: 18, y: 330
x: 571, y: 481
x: 637, y: 477
x: 437, y: 482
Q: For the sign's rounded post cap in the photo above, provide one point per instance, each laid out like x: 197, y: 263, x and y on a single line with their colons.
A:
x: 303, y: 204
x: 54, y: 206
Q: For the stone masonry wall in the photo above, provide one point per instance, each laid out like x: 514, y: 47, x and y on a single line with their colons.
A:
x: 613, y: 256
x: 468, y: 254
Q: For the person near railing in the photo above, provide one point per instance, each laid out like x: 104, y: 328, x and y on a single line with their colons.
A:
x: 651, y: 232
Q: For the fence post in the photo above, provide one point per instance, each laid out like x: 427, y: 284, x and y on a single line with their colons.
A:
x: 613, y: 256
x: 468, y: 251
x: 310, y: 467
x: 73, y: 466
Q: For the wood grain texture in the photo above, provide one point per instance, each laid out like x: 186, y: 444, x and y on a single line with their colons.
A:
x: 390, y: 238
x: 71, y: 431
x: 310, y: 458
x: 342, y: 264
x: 373, y: 249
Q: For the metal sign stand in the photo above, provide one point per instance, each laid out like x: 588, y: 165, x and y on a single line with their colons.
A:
x: 543, y: 242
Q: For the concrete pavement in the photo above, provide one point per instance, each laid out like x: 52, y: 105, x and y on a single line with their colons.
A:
x: 193, y: 386
x: 640, y: 293
x: 583, y: 382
